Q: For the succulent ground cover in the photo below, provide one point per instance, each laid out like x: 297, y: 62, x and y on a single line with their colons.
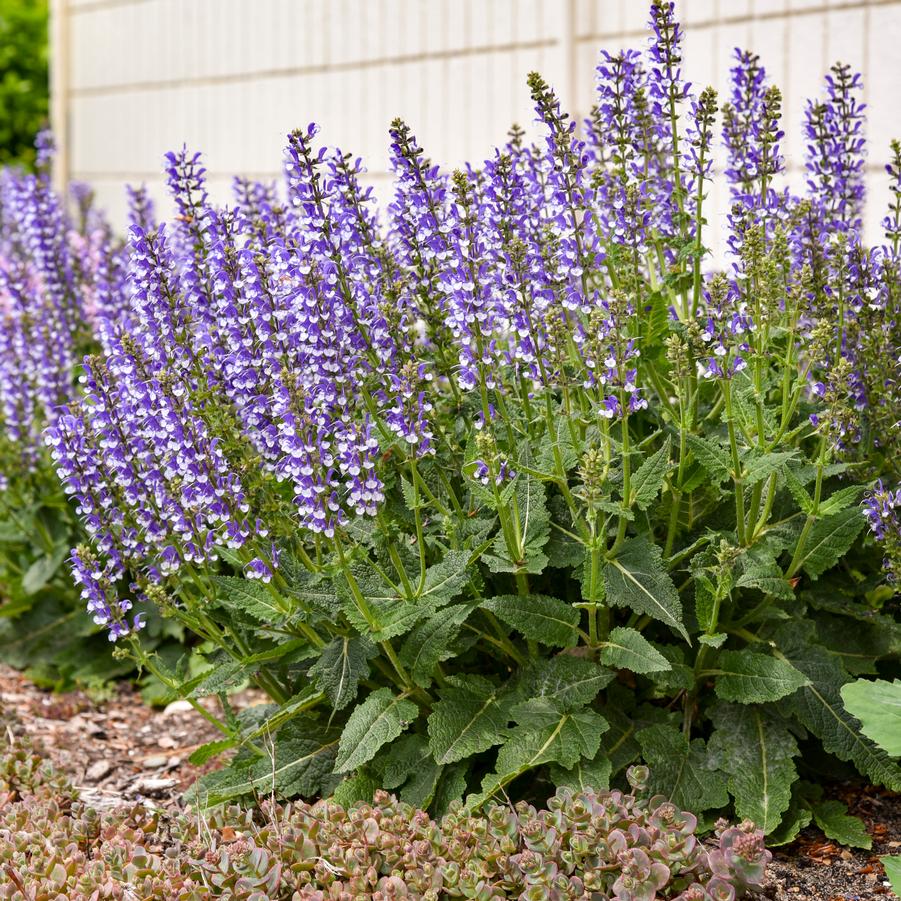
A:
x: 504, y: 488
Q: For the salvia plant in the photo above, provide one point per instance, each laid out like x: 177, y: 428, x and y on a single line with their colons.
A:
x: 510, y: 484
x: 61, y: 275
x: 606, y: 846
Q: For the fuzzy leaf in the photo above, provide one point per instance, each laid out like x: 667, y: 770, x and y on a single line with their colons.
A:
x: 681, y: 771
x: 409, y: 763
x: 713, y: 457
x: 220, y: 678
x: 547, y: 735
x: 429, y: 643
x: 378, y: 720
x: 629, y: 649
x: 593, y: 775
x: 534, y: 526
x: 635, y: 578
x: 471, y: 716
x: 757, y: 752
x: 303, y: 758
x: 43, y: 570
x: 830, y: 539
x: 835, y: 821
x: 840, y: 499
x: 211, y: 749
x: 819, y: 707
x: 760, y: 466
x: 249, y: 597
x: 765, y: 575
x: 341, y: 665
x: 648, y: 479
x: 798, y: 491
x: 537, y: 616
x: 877, y: 704
x: 751, y: 678
x: 570, y: 681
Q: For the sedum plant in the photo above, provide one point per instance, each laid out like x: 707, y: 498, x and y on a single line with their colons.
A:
x: 511, y: 484
x: 600, y: 845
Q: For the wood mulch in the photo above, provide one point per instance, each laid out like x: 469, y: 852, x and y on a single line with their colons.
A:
x: 121, y: 750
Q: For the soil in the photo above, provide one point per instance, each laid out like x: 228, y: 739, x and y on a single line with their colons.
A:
x: 121, y: 750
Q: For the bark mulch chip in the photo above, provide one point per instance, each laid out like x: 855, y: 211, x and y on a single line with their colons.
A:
x: 120, y: 750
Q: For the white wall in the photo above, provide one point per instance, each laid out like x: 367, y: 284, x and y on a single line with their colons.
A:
x: 134, y: 78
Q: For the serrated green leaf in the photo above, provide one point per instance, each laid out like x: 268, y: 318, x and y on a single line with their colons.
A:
x: 840, y: 499
x: 830, y: 539
x: 586, y: 775
x: 757, y: 751
x: 766, y: 576
x: 712, y: 456
x: 797, y: 817
x: 378, y: 720
x: 357, y: 789
x: 750, y: 678
x: 681, y: 771
x: 820, y: 709
x: 567, y: 680
x: 563, y: 441
x: 220, y: 678
x: 761, y: 466
x: 537, y: 616
x: 211, y: 749
x: 636, y: 578
x: 471, y: 717
x: 714, y: 640
x: 797, y: 490
x: 548, y: 736
x: 877, y: 704
x: 413, y: 499
x: 342, y: 663
x: 648, y: 478
x: 249, y: 597
x: 408, y: 766
x: 303, y: 757
x: 836, y: 823
x: 628, y: 649
x: 534, y: 527
x: 430, y: 642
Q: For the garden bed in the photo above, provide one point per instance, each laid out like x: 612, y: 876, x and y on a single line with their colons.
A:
x: 119, y: 751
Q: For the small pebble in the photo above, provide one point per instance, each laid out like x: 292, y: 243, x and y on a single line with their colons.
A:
x: 96, y: 771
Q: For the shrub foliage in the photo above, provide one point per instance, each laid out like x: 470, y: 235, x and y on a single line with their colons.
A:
x: 511, y: 485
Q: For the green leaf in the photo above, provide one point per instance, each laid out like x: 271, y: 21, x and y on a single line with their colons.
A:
x: 211, y: 749
x: 840, y: 499
x: 586, y: 775
x: 835, y: 821
x: 760, y: 466
x: 220, y: 678
x: 546, y: 735
x: 342, y: 663
x: 629, y: 649
x: 414, y: 500
x: 378, y: 720
x: 249, y: 597
x: 751, y: 678
x: 636, y: 578
x: 764, y: 574
x: 359, y: 788
x: 830, y: 539
x: 429, y: 643
x: 892, y: 866
x: 713, y: 640
x: 394, y: 614
x: 471, y: 716
x: 713, y: 457
x: 303, y: 758
x: 534, y: 527
x: 798, y: 492
x: 681, y: 771
x: 567, y: 680
x: 877, y: 704
x: 537, y: 616
x: 757, y: 751
x: 409, y: 763
x: 43, y: 570
x: 819, y: 707
x: 797, y: 817
x: 648, y: 479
